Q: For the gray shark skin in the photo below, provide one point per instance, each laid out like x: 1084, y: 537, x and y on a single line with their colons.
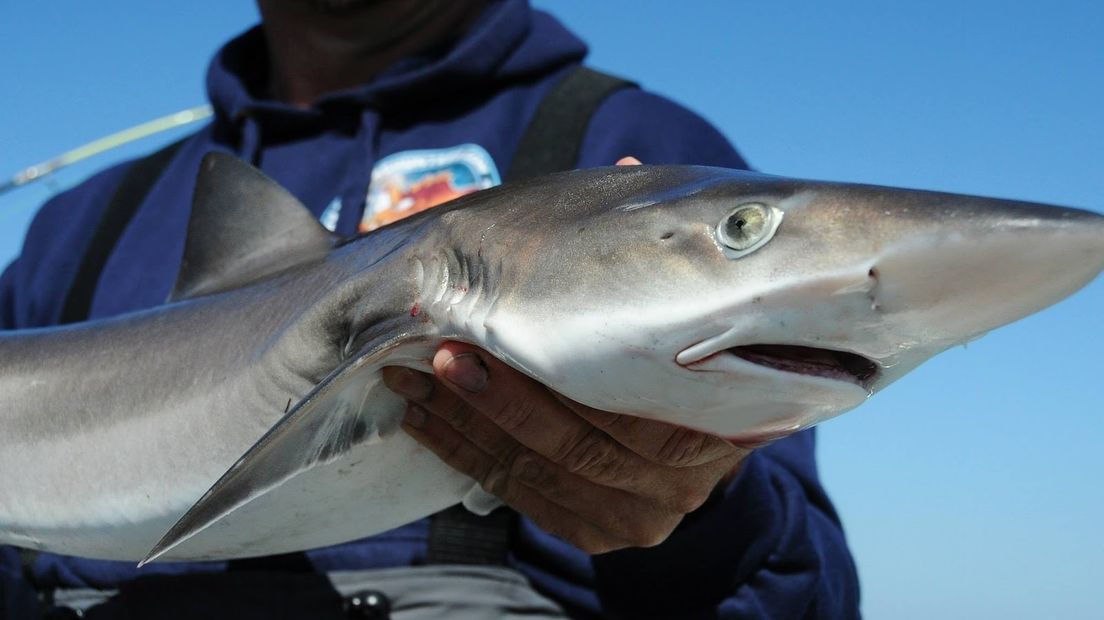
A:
x: 741, y: 304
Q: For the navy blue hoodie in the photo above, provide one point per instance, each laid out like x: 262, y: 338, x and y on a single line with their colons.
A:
x: 770, y: 545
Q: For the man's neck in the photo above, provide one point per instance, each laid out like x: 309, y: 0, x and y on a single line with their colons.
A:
x: 314, y: 52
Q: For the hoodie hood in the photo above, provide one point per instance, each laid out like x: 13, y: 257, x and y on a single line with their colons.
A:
x: 509, y: 42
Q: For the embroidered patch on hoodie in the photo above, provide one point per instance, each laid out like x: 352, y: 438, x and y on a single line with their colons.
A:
x: 409, y: 182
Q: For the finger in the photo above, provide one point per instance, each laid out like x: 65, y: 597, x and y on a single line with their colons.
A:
x: 631, y: 517
x: 502, y: 446
x: 657, y: 441
x: 407, y: 382
x: 423, y: 389
x: 528, y: 412
x: 660, y: 442
x: 628, y: 161
x: 534, y: 416
x: 461, y: 454
x: 640, y: 521
x: 679, y: 490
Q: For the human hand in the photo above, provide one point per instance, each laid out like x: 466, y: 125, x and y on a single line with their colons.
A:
x: 601, y: 481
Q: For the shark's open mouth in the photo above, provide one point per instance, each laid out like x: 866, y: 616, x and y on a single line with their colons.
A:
x: 827, y: 363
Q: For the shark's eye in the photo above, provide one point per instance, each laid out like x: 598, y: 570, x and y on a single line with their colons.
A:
x: 747, y: 228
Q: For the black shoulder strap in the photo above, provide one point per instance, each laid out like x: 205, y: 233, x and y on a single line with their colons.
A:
x: 124, y: 203
x: 554, y: 138
x: 551, y: 143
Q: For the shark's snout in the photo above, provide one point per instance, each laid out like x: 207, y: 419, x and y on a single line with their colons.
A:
x: 990, y: 264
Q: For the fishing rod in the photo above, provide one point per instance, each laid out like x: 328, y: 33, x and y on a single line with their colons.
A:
x: 106, y: 143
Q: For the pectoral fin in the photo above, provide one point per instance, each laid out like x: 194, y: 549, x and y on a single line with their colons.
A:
x: 349, y: 409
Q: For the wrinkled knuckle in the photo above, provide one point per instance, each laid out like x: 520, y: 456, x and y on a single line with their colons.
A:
x: 621, y: 424
x: 610, y: 421
x: 512, y: 416
x: 683, y: 447
x: 594, y: 456
x: 565, y: 450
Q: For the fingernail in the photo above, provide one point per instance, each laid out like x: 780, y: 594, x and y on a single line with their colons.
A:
x: 467, y: 371
x: 409, y: 383
x: 415, y: 416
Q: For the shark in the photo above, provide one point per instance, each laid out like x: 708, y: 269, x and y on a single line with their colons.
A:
x: 247, y: 415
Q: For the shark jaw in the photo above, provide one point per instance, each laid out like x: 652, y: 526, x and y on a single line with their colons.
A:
x: 795, y: 359
x: 837, y: 374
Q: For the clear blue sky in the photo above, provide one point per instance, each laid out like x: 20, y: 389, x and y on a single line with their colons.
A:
x: 971, y: 488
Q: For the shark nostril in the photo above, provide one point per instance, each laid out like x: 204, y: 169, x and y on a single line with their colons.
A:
x: 667, y: 235
x: 873, y: 294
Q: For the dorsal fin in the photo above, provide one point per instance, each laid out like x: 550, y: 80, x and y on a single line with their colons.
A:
x: 244, y: 226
